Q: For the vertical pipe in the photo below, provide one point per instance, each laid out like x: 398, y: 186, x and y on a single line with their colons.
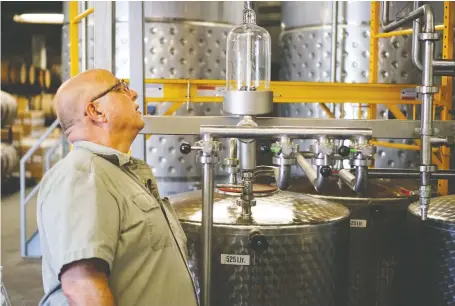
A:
x: 207, y: 223
x: 74, y: 36
x: 247, y: 154
x: 333, y: 60
x: 385, y: 12
x: 137, y: 73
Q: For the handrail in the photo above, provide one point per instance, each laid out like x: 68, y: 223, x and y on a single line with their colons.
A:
x: 82, y: 15
x: 74, y: 35
x: 23, y: 199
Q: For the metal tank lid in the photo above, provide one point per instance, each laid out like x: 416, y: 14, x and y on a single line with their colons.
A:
x: 279, y: 208
x: 441, y: 210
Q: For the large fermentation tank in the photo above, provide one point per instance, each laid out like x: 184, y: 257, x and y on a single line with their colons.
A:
x: 377, y: 223
x: 293, y: 251
x: 429, y: 274
x: 183, y: 39
x: 307, y: 50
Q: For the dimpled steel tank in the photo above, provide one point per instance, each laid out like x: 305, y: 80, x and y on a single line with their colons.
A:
x: 292, y: 252
x: 429, y: 274
x: 377, y: 224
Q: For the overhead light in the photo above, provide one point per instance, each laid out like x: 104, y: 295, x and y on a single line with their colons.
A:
x: 50, y: 18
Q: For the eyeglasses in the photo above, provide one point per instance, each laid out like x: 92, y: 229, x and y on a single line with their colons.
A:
x: 122, y: 84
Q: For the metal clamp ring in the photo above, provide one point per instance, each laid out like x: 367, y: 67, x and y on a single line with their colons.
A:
x: 283, y: 161
x: 209, y: 159
x: 429, y: 36
x: 427, y: 168
x: 427, y: 89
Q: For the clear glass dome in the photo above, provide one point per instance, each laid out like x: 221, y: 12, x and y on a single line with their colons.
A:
x: 248, y: 58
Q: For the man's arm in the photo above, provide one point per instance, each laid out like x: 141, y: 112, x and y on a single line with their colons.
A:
x: 85, y: 282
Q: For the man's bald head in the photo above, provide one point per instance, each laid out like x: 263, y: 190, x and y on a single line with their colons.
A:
x: 73, y: 95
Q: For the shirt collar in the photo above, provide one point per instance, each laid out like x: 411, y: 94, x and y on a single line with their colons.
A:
x: 106, y: 152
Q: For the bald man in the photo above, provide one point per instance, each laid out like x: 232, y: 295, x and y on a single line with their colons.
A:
x: 106, y: 235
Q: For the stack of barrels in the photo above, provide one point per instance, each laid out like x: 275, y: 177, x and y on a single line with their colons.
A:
x: 36, y: 84
x: 28, y: 80
x: 9, y: 153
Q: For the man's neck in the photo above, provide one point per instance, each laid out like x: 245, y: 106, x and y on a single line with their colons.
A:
x: 102, y: 137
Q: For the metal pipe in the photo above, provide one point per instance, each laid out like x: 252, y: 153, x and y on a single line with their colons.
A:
x: 361, y: 181
x: 284, y: 176
x: 247, y: 154
x: 207, y: 224
x: 444, y: 64
x: 347, y: 177
x: 385, y: 13
x: 314, y: 176
x: 425, y: 10
x: 333, y: 60
x: 408, y: 174
x: 416, y: 26
x: 276, y: 132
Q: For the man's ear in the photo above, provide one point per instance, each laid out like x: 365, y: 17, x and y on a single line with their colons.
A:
x: 93, y: 111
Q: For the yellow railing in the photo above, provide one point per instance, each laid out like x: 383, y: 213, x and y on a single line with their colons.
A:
x: 74, y: 18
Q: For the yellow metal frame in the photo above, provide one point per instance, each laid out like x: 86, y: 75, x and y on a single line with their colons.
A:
x: 370, y: 94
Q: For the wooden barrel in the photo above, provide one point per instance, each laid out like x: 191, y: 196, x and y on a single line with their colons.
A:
x: 5, y: 75
x: 47, y: 105
x: 8, y: 108
x: 34, y: 82
x: 18, y: 78
x: 50, y: 80
x: 9, y: 159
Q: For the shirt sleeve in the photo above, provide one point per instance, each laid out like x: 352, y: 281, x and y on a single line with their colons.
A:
x: 80, y: 220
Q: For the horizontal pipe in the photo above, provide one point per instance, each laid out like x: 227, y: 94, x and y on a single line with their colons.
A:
x: 439, y: 27
x: 407, y: 174
x: 444, y: 65
x: 424, y: 10
x: 274, y: 131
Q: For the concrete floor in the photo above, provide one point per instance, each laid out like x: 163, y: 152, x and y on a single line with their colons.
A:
x: 21, y: 277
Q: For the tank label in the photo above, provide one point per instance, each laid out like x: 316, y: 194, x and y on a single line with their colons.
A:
x: 232, y: 259
x: 210, y: 91
x: 358, y: 223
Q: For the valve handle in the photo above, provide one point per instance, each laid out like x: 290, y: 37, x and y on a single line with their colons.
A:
x: 185, y: 148
x: 325, y: 171
x: 344, y: 151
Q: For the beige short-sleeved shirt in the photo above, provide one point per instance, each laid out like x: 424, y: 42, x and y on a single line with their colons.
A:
x: 98, y: 202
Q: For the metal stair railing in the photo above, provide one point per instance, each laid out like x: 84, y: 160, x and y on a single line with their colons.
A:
x: 30, y: 248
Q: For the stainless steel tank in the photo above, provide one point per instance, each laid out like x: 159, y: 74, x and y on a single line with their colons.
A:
x: 293, y: 251
x: 183, y: 39
x: 377, y: 224
x: 307, y: 50
x: 429, y: 274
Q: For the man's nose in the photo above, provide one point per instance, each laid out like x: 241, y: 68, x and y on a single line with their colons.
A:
x: 133, y: 94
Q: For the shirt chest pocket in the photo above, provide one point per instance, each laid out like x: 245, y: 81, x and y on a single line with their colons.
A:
x: 150, y: 220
